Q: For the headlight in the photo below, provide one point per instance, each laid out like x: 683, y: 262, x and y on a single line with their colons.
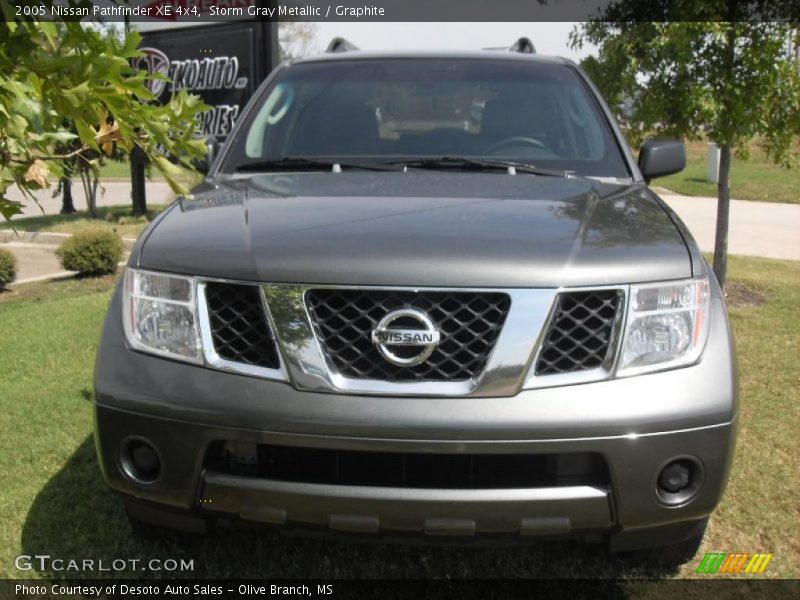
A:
x: 667, y: 326
x: 159, y: 314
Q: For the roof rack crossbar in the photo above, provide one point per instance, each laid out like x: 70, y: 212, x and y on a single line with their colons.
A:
x: 339, y: 44
x: 523, y: 45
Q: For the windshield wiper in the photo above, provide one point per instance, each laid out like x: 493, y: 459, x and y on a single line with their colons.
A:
x: 298, y: 163
x: 480, y: 164
x: 292, y: 163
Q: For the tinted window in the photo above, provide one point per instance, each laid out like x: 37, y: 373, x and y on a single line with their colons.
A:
x: 377, y: 109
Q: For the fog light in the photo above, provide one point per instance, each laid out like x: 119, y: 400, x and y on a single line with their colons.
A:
x: 140, y: 461
x: 675, y: 477
x: 677, y: 481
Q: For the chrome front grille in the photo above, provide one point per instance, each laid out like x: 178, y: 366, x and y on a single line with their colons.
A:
x: 469, y: 323
x: 580, y: 332
x: 239, y: 327
x: 329, y: 339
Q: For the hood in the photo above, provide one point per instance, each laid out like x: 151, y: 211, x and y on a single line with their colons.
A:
x: 419, y: 228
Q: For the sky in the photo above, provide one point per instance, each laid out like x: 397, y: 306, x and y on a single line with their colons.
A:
x: 549, y: 38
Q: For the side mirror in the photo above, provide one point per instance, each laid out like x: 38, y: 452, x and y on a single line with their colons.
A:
x: 658, y: 158
x: 212, y: 147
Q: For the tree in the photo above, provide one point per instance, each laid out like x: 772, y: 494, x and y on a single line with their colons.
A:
x: 83, y: 164
x: 66, y: 85
x: 297, y: 39
x: 80, y: 164
x: 731, y: 80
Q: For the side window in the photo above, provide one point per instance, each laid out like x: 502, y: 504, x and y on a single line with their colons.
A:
x: 272, y: 113
x: 584, y: 126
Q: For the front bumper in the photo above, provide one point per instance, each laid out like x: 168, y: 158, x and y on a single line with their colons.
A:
x: 629, y: 503
x: 636, y: 424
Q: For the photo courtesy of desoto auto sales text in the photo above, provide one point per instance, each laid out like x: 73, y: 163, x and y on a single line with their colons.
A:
x: 399, y: 299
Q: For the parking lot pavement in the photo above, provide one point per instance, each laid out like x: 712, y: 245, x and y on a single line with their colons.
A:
x: 117, y: 192
x: 34, y: 261
x: 765, y: 229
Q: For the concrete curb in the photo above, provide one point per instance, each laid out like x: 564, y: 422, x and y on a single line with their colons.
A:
x: 48, y: 277
x: 52, y: 276
x: 46, y: 238
x: 33, y: 237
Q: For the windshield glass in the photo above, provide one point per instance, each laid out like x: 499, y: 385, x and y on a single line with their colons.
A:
x: 393, y: 109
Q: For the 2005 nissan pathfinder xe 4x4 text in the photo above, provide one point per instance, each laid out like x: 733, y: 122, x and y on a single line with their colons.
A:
x: 427, y: 295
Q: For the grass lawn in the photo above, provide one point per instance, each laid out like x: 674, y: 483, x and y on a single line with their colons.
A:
x: 122, y: 170
x: 754, y: 179
x: 114, y: 218
x: 54, y: 500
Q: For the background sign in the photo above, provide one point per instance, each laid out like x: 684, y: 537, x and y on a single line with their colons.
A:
x: 222, y: 63
x: 188, y: 13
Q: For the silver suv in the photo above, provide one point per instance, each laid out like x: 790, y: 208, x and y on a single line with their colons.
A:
x: 423, y: 295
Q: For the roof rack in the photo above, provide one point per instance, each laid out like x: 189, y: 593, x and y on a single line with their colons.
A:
x: 523, y: 45
x: 339, y: 44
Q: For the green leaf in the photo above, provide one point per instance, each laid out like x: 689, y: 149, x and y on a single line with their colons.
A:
x: 130, y: 47
x: 171, y: 173
x: 16, y: 126
x: 85, y: 133
x: 78, y: 94
x: 9, y: 208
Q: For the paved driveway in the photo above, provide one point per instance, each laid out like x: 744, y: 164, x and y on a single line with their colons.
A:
x: 34, y: 261
x: 764, y: 229
x: 116, y: 192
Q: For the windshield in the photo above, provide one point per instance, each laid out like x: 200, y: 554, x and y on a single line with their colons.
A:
x: 382, y: 110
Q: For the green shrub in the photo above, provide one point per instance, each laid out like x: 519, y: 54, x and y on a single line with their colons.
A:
x: 94, y: 252
x: 8, y: 268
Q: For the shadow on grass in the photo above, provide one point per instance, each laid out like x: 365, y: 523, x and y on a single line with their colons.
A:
x: 105, y: 215
x: 52, y: 289
x: 75, y: 516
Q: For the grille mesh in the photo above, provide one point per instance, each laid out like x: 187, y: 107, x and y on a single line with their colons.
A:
x: 239, y: 325
x: 469, y: 322
x: 580, y: 332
